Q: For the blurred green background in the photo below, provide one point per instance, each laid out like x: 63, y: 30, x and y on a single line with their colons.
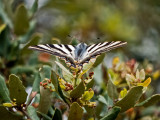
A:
x: 30, y: 22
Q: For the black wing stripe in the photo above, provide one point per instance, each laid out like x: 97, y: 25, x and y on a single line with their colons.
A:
x: 92, y: 47
x: 52, y: 46
x: 108, y: 43
x: 119, y: 44
x: 68, y: 48
x: 43, y: 50
x: 60, y: 45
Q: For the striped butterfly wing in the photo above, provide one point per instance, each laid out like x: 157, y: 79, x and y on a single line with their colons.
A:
x: 96, y: 49
x: 65, y: 52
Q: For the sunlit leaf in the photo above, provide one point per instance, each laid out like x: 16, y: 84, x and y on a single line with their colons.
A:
x: 7, y: 104
x: 145, y: 83
x: 156, y: 74
x: 123, y: 93
x: 87, y: 95
x: 2, y: 27
x: 115, y: 61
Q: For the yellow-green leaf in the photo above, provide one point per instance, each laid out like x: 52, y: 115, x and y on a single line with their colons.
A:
x: 145, y: 83
x: 87, y: 95
x: 2, y: 27
x: 123, y: 93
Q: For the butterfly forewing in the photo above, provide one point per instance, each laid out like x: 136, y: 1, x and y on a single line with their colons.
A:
x: 65, y: 52
x: 97, y: 49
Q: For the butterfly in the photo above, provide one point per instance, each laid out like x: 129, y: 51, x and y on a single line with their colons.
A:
x: 77, y: 55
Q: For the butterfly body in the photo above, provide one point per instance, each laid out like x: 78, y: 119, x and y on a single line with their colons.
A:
x: 76, y: 56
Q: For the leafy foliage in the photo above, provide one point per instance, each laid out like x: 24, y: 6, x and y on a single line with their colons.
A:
x: 122, y: 91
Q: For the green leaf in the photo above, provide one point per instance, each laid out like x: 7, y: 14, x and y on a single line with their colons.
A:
x: 78, y: 91
x: 45, y: 100
x: 34, y: 6
x: 45, y: 72
x: 76, y: 112
x: 112, y: 114
x: 34, y: 41
x: 90, y: 84
x: 54, y: 80
x: 7, y: 115
x: 22, y: 69
x: 17, y: 90
x: 57, y: 87
x: 99, y: 60
x: 149, y: 101
x: 112, y: 89
x: 130, y: 99
x: 66, y: 73
x: 21, y: 20
x: 32, y: 112
x: 103, y: 100
x: 4, y: 93
x: 46, y: 117
x: 57, y: 115
x: 51, y: 111
x: 36, y: 83
x: 90, y: 110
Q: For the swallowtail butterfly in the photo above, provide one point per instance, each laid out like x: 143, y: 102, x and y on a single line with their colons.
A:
x: 80, y: 54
